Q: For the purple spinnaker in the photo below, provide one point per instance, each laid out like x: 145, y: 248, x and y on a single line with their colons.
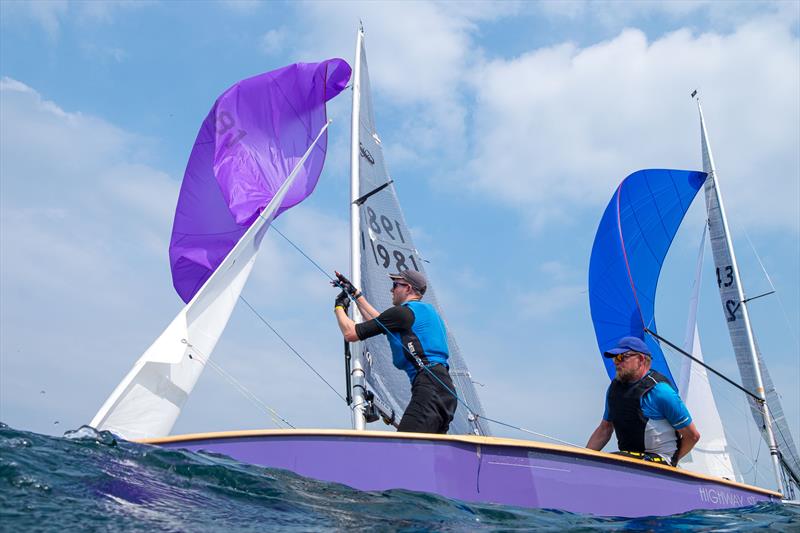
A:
x: 253, y: 137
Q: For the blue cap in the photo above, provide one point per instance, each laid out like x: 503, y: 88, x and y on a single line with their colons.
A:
x: 629, y: 344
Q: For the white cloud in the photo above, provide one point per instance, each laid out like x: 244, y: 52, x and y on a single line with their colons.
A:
x: 84, y: 230
x: 104, y: 54
x: 719, y: 14
x: 273, y: 41
x: 419, y: 56
x: 47, y: 14
x: 561, y: 126
x: 52, y: 14
x: 549, y: 302
x: 559, y: 271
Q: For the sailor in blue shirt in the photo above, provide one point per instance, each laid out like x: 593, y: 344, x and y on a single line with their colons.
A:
x: 643, y: 409
x: 418, y: 340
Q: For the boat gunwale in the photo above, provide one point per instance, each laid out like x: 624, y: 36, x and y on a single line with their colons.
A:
x: 464, y: 439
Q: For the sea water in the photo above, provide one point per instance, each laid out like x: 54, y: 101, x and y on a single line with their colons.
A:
x: 91, y: 481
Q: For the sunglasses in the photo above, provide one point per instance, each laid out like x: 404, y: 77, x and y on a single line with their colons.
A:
x: 624, y: 356
x: 396, y: 284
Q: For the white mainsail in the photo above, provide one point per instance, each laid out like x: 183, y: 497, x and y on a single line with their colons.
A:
x: 149, y: 399
x: 382, y: 243
x: 710, y: 456
x: 752, y: 369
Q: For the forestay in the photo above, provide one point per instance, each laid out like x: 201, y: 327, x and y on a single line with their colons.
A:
x: 386, y: 246
x: 737, y: 317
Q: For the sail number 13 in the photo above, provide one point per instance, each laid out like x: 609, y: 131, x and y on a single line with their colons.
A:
x: 724, y: 276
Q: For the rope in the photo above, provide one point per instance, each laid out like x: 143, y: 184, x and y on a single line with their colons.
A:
x: 291, y: 347
x: 777, y: 294
x: 276, y: 418
x: 304, y: 254
x: 733, y: 445
x: 415, y: 357
x: 388, y: 333
x: 528, y: 431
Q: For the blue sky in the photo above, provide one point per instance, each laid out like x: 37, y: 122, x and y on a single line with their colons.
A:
x: 506, y: 128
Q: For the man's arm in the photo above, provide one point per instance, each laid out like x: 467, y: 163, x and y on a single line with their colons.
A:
x: 689, y: 437
x: 671, y: 407
x: 395, y: 318
x: 347, y: 326
x: 601, y: 436
x: 366, y: 309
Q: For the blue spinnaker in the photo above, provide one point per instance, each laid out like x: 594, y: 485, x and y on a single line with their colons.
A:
x: 633, y: 238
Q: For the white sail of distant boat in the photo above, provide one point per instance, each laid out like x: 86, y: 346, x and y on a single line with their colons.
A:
x: 753, y: 370
x: 709, y: 456
x: 149, y: 399
x: 382, y: 243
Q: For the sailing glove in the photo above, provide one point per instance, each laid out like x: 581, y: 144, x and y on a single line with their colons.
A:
x: 347, y: 286
x: 343, y: 301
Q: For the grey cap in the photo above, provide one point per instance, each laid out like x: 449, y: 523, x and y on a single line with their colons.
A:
x: 412, y: 277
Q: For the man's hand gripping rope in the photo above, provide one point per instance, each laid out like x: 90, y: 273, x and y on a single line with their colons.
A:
x: 349, y: 292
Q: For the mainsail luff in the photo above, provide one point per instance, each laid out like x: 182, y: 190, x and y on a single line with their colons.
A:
x: 148, y: 401
x: 357, y: 363
x: 735, y: 308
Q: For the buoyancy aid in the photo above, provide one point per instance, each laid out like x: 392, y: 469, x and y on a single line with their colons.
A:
x: 425, y: 342
x: 625, y: 410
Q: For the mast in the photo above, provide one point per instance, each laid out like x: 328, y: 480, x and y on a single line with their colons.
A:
x: 728, y: 275
x: 357, y: 366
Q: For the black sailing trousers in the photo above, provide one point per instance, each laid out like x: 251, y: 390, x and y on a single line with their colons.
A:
x: 432, y: 406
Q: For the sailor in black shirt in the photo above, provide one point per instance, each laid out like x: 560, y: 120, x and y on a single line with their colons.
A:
x: 418, y: 340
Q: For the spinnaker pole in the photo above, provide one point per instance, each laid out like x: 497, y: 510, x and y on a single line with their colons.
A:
x: 357, y: 365
x: 729, y: 274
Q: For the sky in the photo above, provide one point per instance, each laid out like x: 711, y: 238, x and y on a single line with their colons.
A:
x: 506, y: 127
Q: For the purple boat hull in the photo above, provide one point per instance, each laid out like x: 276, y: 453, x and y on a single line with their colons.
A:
x: 480, y: 469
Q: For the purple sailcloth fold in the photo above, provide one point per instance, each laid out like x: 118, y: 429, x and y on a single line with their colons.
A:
x: 251, y: 140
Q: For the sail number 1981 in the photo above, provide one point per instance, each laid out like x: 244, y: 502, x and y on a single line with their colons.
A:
x: 383, y: 225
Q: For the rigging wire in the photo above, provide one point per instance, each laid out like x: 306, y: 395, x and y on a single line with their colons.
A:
x: 690, y: 356
x: 276, y: 418
x: 422, y: 366
x: 415, y: 357
x: 748, y: 412
x: 790, y: 452
x: 777, y: 294
x: 528, y: 431
x: 291, y: 347
x: 388, y: 333
x: 733, y: 403
x: 324, y: 273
